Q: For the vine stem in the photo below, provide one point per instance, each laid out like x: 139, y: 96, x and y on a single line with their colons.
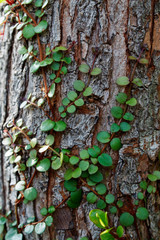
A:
x: 22, y: 132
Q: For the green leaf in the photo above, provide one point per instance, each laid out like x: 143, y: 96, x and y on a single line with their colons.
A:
x: 68, y: 174
x: 77, y: 173
x: 131, y: 102
x: 87, y: 92
x: 120, y: 231
x: 79, y: 102
x: 3, y: 220
x: 20, y: 186
x: 57, y: 56
x: 60, y: 48
x: 29, y: 229
x: 55, y: 66
x: 84, y: 165
x: 121, y: 97
x: 23, y: 50
x: 117, y: 112
x: 150, y: 189
x: 128, y: 116
x: 57, y: 163
x: 35, y: 66
x: 140, y: 196
x: 28, y: 31
x: 101, y: 189
x: 101, y: 204
x: 96, y: 71
x: 79, y: 85
x: 70, y: 185
x: 71, y: 109
x: 74, y: 160
x: 65, y: 101
x: 103, y: 137
x: 46, y: 62
x: 31, y: 162
x: 33, y: 142
x: 67, y: 60
x: 142, y: 213
x: 40, y: 227
x: 42, y: 26
x: 115, y: 127
x: 122, y: 81
x: 152, y: 177
x: 157, y: 174
x: 43, y: 165
x: 47, y: 125
x: 49, y: 221
x: 43, y: 148
x: 124, y: 126
x: 113, y: 209
x: 132, y: 58
x: 144, y: 61
x: 92, y: 169
x: 126, y: 219
x: 84, y: 154
x: 30, y: 194
x: 72, y: 95
x: 60, y: 126
x: 115, y: 144
x: 38, y: 3
x: 97, y: 177
x: 63, y: 70
x: 76, y: 196
x: 105, y: 160
x: 119, y: 203
x: 27, y: 1
x: 143, y: 185
x: 84, y: 68
x: 49, y: 140
x: 96, y: 215
x: 110, y: 198
x: 51, y: 209
x: 91, y: 197
x: 43, y: 211
x: 137, y: 82
x: 7, y: 141
x: 52, y: 90
x: 94, y: 152
x: 45, y: 4
x: 106, y: 236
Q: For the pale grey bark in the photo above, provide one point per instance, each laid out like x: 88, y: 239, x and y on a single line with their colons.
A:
x: 118, y: 28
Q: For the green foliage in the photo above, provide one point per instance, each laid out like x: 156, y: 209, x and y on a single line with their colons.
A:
x: 126, y: 219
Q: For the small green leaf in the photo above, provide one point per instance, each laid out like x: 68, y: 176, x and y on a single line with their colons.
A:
x: 72, y: 95
x: 71, y: 109
x: 120, y: 231
x: 137, y: 82
x: 87, y: 92
x: 79, y: 102
x: 128, y: 116
x: 57, y: 56
x: 43, y: 211
x: 143, y: 185
x: 46, y: 62
x: 31, y: 162
x: 43, y: 165
x: 55, y: 66
x: 97, y: 177
x: 152, y: 177
x: 101, y: 204
x: 67, y: 60
x: 121, y: 97
x: 42, y: 26
x: 33, y: 142
x: 27, y: 1
x: 65, y: 101
x: 113, y: 209
x: 96, y: 71
x: 35, y: 66
x: 132, y: 102
x: 29, y: 229
x: 142, y: 213
x: 105, y: 160
x: 84, y: 154
x: 49, y: 221
x: 115, y: 127
x: 115, y: 144
x: 47, y: 125
x: 56, y: 163
x: 23, y: 50
x: 117, y: 112
x: 110, y: 198
x: 52, y: 90
x: 92, y: 169
x: 40, y: 227
x: 74, y: 160
x: 70, y: 185
x: 49, y: 140
x: 77, y: 173
x: 91, y: 197
x: 63, y: 70
x: 94, y: 152
x: 103, y: 137
x: 84, y: 68
x: 38, y: 3
x: 122, y: 81
x: 6, y: 141
x: 126, y: 219
x: 124, y: 126
x: 79, y: 85
x: 140, y: 196
x: 99, y: 218
x: 60, y: 126
x: 68, y: 174
x: 101, y: 189
x: 30, y: 194
x: 84, y: 165
x: 28, y: 31
x: 144, y: 61
x: 20, y: 186
x: 119, y: 203
x: 157, y: 174
x: 51, y: 209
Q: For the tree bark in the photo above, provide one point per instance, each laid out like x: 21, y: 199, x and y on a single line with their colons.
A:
x: 117, y: 29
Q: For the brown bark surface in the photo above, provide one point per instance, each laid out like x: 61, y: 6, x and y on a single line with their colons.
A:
x: 118, y: 29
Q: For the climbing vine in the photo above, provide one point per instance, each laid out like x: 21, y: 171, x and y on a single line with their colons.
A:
x: 83, y: 169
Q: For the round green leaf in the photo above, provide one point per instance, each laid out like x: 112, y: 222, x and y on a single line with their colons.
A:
x: 97, y: 177
x: 52, y: 90
x: 43, y: 165
x: 40, y: 227
x: 99, y: 218
x: 124, y: 126
x: 121, y: 97
x: 103, y: 137
x: 65, y: 101
x: 31, y: 162
x: 51, y: 209
x: 91, y: 197
x: 122, y: 81
x: 137, y: 82
x: 94, y: 152
x: 56, y: 163
x: 70, y: 185
x: 115, y: 144
x: 152, y: 177
x: 101, y: 189
x: 79, y: 85
x: 49, y: 140
x: 120, y: 231
x: 63, y: 70
x: 84, y: 68
x: 28, y: 31
x: 101, y: 204
x: 60, y: 126
x: 29, y: 229
x: 74, y: 160
x: 105, y: 160
x: 42, y: 26
x: 128, y: 116
x: 44, y: 211
x: 126, y: 219
x: 49, y: 221
x: 110, y: 198
x: 143, y: 185
x: 140, y: 196
x: 119, y: 203
x: 35, y: 66
x: 71, y: 109
x: 115, y: 127
x: 76, y: 173
x: 142, y: 213
x: 79, y: 102
x: 157, y: 174
x: 113, y: 209
x: 76, y: 196
x: 30, y: 194
x: 84, y: 154
x: 87, y: 92
x: 47, y: 125
x: 84, y: 165
x: 20, y: 186
x: 117, y: 112
x: 96, y: 71
x: 72, y: 95
x: 132, y: 102
x: 92, y: 169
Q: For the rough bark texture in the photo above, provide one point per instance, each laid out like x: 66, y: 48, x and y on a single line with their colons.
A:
x: 117, y: 28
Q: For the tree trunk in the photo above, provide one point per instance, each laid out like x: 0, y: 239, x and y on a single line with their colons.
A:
x: 117, y: 29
